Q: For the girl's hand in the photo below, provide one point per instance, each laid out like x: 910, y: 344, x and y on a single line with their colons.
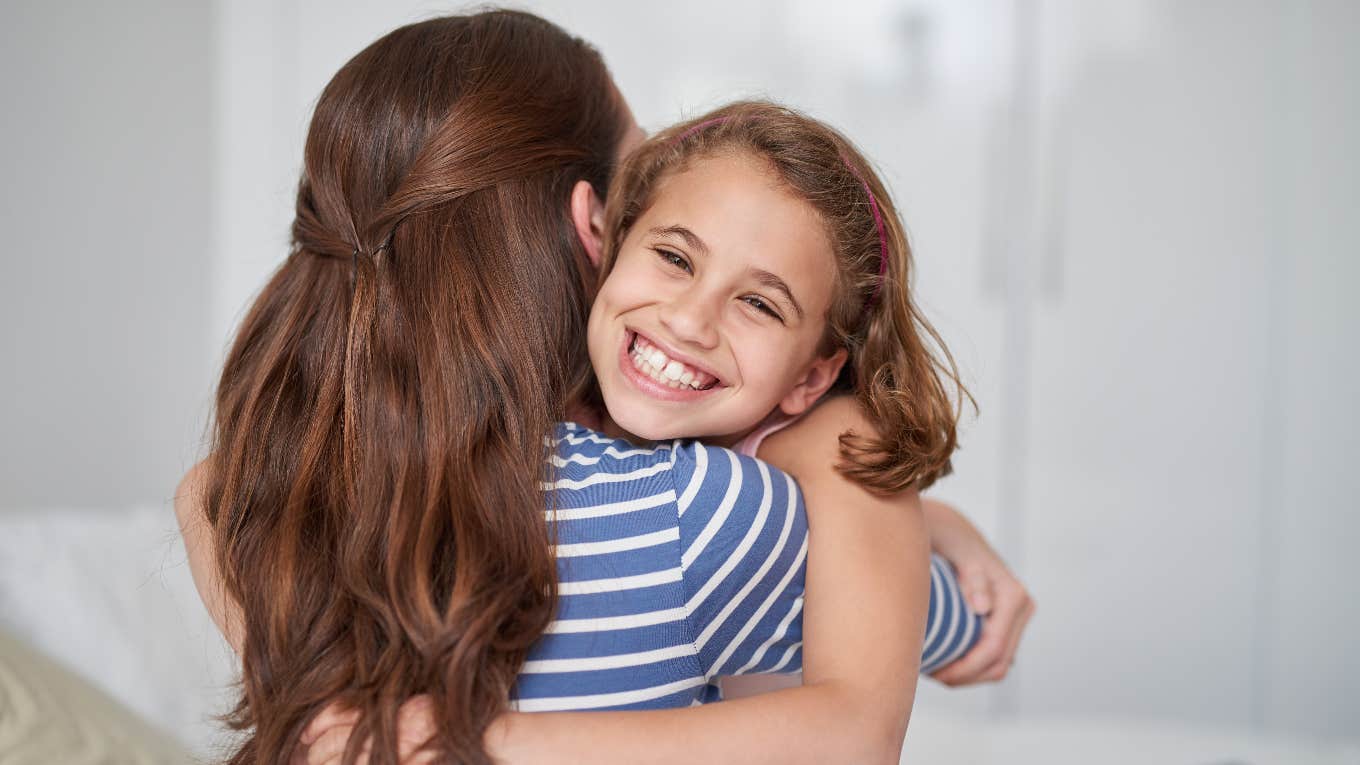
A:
x: 327, y: 735
x: 990, y: 588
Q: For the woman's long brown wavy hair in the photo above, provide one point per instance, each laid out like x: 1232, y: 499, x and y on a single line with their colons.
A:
x: 899, y: 370
x: 380, y: 424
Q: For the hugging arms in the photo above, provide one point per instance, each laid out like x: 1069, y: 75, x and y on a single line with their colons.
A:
x: 862, y: 631
x: 369, y: 525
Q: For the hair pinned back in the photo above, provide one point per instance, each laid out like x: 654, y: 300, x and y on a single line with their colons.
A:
x: 899, y: 369
x: 378, y: 444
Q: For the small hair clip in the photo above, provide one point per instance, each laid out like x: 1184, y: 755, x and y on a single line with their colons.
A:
x: 354, y: 257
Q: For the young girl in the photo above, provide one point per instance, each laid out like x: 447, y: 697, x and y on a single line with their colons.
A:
x: 753, y: 263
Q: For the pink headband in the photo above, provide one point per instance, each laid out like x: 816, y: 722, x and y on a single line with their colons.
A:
x: 873, y: 207
x: 696, y: 128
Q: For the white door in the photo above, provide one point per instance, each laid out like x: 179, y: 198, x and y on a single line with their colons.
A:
x: 1144, y: 435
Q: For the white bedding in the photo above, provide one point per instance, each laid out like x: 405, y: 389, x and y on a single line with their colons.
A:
x: 108, y: 594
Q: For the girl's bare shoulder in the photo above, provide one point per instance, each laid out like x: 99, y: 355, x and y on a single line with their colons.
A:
x: 813, y: 441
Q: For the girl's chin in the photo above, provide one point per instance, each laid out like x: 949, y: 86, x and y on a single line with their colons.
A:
x: 645, y: 429
x: 641, y: 429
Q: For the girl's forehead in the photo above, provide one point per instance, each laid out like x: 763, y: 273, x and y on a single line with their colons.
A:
x: 744, y: 215
x: 739, y: 199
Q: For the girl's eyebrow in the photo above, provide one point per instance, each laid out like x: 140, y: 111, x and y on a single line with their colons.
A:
x: 762, y: 277
x: 767, y: 279
x: 692, y: 239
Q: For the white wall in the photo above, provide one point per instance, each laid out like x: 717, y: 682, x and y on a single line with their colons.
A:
x: 106, y: 146
x: 1309, y: 484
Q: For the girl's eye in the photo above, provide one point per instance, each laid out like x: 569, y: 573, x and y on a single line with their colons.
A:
x: 763, y: 307
x: 673, y: 259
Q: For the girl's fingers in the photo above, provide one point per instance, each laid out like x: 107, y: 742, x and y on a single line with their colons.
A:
x: 967, y: 668
x: 1003, y: 666
x: 1013, y: 643
x: 977, y: 589
x: 981, y: 657
x: 329, y: 747
x: 324, y: 741
x: 1000, y: 631
x: 415, y: 726
x: 334, y: 714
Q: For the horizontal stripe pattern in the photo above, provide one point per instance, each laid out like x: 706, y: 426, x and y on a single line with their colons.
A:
x: 621, y: 622
x: 620, y: 638
x: 622, y: 544
x: 614, y: 584
x: 677, y: 565
x: 627, y: 699
x: 618, y: 661
x: 604, y: 477
x: 610, y: 508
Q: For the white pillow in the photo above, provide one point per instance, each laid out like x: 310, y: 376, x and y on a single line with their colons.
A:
x: 108, y: 593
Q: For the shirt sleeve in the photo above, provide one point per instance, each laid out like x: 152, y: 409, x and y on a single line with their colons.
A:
x: 952, y: 627
x: 743, y: 537
x: 743, y: 542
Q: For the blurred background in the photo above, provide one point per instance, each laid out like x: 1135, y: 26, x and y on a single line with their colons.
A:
x: 1133, y: 223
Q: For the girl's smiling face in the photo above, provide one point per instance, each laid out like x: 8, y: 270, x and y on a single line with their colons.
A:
x: 715, y: 307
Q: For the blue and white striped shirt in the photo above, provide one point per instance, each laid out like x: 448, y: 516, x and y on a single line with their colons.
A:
x: 678, y: 565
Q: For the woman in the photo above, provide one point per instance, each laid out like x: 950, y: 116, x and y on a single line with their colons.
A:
x: 372, y: 500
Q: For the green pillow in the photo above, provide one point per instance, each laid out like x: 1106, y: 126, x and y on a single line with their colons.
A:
x: 49, y: 716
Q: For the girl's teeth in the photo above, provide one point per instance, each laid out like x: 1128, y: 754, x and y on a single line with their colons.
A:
x: 653, y: 363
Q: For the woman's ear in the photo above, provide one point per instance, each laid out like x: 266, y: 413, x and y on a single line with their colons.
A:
x: 818, y: 378
x: 587, y: 214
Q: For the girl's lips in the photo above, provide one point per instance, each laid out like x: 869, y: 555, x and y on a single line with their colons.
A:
x: 651, y: 387
x: 637, y: 338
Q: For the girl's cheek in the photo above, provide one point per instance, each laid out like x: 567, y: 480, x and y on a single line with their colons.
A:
x: 771, y: 357
x: 627, y: 270
x: 616, y: 287
x: 645, y: 284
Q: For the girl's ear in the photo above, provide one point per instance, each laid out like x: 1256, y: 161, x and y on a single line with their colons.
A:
x: 820, y: 376
x: 587, y: 214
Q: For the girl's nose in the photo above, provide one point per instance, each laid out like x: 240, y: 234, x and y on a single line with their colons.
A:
x: 691, y: 318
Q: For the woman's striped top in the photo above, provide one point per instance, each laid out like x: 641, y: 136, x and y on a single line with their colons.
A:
x: 677, y: 565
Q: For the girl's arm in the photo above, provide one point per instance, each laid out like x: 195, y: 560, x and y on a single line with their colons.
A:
x: 867, y: 594
x: 858, y: 688
x: 990, y: 588
x: 865, y: 610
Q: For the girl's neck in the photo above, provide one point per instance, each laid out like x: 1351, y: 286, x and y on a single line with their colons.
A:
x: 614, y: 430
